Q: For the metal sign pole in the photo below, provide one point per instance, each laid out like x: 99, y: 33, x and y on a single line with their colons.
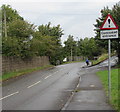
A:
x: 109, y: 31
x: 109, y: 70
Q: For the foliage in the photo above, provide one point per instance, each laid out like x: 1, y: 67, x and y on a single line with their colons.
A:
x: 50, y: 39
x: 70, y: 46
x: 45, y: 42
x: 114, y: 85
x: 46, y: 39
x: 16, y: 43
x: 12, y: 46
x: 116, y: 15
x: 20, y: 29
x: 86, y: 47
x: 9, y: 14
x: 100, y: 59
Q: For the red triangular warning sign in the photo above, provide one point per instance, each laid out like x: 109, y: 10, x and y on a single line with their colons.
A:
x: 109, y: 23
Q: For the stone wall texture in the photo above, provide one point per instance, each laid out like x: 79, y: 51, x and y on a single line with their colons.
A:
x: 14, y: 64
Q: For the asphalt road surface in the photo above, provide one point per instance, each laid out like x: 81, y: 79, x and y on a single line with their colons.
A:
x: 44, y: 90
x: 48, y: 89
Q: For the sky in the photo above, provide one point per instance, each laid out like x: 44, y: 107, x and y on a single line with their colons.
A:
x: 76, y: 17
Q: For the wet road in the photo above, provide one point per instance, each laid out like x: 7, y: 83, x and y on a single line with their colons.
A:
x: 44, y: 90
x: 48, y: 89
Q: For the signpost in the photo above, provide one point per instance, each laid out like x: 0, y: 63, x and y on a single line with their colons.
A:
x: 109, y: 30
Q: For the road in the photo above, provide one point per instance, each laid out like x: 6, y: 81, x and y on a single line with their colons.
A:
x: 48, y: 89
x: 44, y: 90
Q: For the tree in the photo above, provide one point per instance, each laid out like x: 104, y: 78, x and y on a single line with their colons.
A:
x: 87, y: 47
x: 18, y: 32
x: 46, y: 41
x: 70, y: 46
x: 8, y: 15
x: 21, y: 29
x: 115, y: 14
x: 49, y: 37
x: 11, y: 47
x: 11, y: 14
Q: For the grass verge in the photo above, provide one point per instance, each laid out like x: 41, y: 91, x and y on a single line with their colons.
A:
x: 114, y: 86
x: 9, y: 75
x: 100, y: 59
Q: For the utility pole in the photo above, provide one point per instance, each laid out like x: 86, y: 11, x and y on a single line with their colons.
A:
x: 5, y: 26
x: 76, y: 48
x: 71, y: 53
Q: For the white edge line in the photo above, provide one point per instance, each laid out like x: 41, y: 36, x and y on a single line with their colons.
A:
x: 9, y: 95
x: 47, y: 76
x: 80, y: 79
x: 33, y: 84
x: 56, y: 72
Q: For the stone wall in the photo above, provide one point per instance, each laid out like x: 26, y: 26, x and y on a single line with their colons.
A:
x: 13, y: 64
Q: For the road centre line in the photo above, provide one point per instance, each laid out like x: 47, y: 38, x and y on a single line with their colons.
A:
x: 34, y: 84
x: 56, y: 72
x: 9, y: 95
x: 47, y: 76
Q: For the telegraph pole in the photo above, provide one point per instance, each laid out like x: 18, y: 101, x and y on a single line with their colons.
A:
x: 5, y: 26
x: 71, y: 53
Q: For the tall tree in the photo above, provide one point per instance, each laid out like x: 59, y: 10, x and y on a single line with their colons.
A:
x: 70, y: 46
x: 51, y: 36
x: 115, y: 14
x: 21, y: 29
x: 8, y: 15
x: 15, y: 32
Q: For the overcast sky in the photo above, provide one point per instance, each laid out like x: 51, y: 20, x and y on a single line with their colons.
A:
x: 76, y: 17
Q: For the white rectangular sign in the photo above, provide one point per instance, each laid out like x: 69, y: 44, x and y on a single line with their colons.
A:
x: 109, y: 34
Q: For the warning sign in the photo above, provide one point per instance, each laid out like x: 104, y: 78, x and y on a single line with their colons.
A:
x: 109, y: 34
x: 109, y: 23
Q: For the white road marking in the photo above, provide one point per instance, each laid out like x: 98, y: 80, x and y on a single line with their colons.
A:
x: 56, y: 72
x: 92, y: 85
x: 9, y: 95
x: 78, y: 85
x: 80, y: 79
x: 47, y: 76
x: 34, y: 84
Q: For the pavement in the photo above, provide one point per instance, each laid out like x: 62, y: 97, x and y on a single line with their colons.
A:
x: 90, y: 94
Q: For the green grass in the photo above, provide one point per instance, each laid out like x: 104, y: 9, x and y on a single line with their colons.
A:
x: 101, y: 58
x: 9, y: 75
x: 114, y: 85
